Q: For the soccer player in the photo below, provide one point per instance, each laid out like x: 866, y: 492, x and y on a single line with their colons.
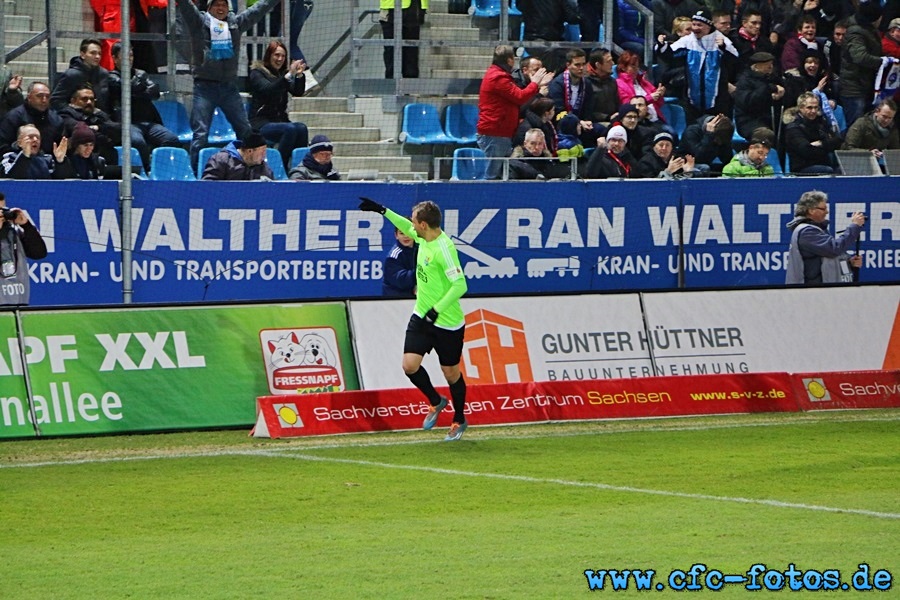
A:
x: 437, y: 322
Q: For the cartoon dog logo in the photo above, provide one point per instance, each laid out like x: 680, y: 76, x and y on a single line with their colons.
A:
x: 315, y: 351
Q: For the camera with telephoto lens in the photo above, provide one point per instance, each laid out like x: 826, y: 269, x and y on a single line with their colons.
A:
x: 9, y: 214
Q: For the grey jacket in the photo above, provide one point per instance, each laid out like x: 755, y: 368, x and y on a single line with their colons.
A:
x: 197, y: 22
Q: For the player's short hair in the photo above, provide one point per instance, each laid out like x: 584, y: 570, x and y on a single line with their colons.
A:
x: 429, y: 212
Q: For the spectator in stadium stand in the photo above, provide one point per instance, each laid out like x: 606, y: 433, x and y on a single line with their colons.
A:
x: 665, y: 12
x: 708, y: 58
x: 796, y: 46
x: 722, y: 22
x: 629, y: 34
x: 875, y: 130
x: 752, y: 161
x: 591, y: 13
x: 640, y: 138
x: 86, y: 163
x: 810, y: 76
x: 81, y: 109
x: 569, y: 90
x: 632, y: 81
x: 545, y: 22
x: 568, y: 140
x: 534, y: 147
x: 317, y: 165
x: 499, y: 99
x: 271, y: 81
x: 645, y: 121
x: 814, y: 256
x: 527, y: 66
x: 660, y: 162
x: 757, y: 99
x: 36, y: 111
x: 412, y: 15
x: 10, y: 91
x: 19, y: 241
x: 809, y: 138
x: 834, y: 46
x: 605, y: 90
x: 890, y: 43
x: 708, y: 139
x: 26, y: 160
x: 241, y: 160
x: 672, y: 71
x: 215, y: 43
x: 749, y: 39
x: 438, y: 322
x: 539, y: 114
x: 144, y: 115
x: 860, y: 60
x: 83, y: 69
x: 612, y: 160
x: 400, y: 267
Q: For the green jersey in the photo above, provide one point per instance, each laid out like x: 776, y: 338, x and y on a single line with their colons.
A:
x: 440, y: 281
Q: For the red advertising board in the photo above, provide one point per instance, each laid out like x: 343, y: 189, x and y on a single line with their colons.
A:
x: 399, y: 409
x: 847, y: 389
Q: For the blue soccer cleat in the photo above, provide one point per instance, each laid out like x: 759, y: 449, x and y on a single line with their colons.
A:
x: 456, y: 432
x: 432, y: 417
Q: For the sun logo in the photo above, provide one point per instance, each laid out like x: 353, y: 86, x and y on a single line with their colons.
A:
x: 816, y: 390
x: 288, y: 415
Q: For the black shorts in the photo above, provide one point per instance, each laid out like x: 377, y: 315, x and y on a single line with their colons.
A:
x: 422, y: 337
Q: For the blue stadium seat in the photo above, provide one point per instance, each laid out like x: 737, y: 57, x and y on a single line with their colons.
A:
x: 469, y: 164
x: 674, y: 116
x: 422, y: 125
x: 203, y: 158
x: 772, y: 159
x: 220, y: 130
x: 460, y: 121
x: 135, y: 158
x: 491, y: 8
x: 840, y: 118
x: 572, y: 32
x: 297, y: 156
x: 175, y: 118
x: 273, y: 157
x: 171, y: 164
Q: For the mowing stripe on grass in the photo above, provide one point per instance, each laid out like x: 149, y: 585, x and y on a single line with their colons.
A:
x: 587, y: 484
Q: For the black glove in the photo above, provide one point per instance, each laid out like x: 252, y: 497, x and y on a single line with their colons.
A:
x: 431, y: 316
x: 370, y: 205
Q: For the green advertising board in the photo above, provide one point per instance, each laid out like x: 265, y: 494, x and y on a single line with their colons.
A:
x: 171, y: 368
x: 13, y: 394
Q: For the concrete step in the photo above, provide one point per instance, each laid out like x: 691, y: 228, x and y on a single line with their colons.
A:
x: 458, y: 73
x: 17, y: 22
x: 463, y: 58
x: 34, y: 69
x: 40, y: 53
x: 446, y: 20
x: 438, y: 6
x: 347, y: 134
x: 381, y: 163
x: 317, y: 104
x: 367, y: 149
x: 453, y: 34
x: 328, y: 119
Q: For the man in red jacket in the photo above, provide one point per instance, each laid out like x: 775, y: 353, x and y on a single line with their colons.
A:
x: 499, y: 100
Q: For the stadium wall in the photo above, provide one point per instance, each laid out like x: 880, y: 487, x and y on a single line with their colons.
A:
x: 332, y: 367
x: 255, y: 241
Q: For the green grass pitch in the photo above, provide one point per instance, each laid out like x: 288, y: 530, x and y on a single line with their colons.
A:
x: 508, y: 512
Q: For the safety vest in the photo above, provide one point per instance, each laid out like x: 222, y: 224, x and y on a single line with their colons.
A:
x: 389, y: 4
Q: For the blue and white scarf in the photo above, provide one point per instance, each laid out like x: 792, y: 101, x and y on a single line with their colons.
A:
x: 220, y: 40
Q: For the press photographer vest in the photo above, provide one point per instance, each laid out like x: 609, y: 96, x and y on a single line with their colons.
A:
x: 14, y: 288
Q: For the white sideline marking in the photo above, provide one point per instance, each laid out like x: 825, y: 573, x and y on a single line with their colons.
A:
x: 598, y: 486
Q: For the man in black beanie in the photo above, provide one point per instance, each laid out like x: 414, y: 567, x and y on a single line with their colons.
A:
x: 860, y: 60
x: 316, y: 165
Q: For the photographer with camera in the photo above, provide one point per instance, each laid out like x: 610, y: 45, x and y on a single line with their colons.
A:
x: 19, y: 241
x: 815, y: 256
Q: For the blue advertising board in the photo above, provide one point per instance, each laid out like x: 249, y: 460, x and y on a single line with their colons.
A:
x: 216, y: 241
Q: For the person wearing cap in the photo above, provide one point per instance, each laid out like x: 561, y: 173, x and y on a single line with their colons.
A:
x: 875, y: 130
x: 757, y: 99
x: 810, y: 76
x: 27, y: 160
x: 215, y: 47
x: 708, y: 58
x: 661, y: 162
x: 639, y: 136
x: 809, y: 138
x: 860, y: 60
x: 317, y: 165
x: 890, y: 43
x: 752, y: 161
x: 614, y: 160
x: 804, y: 39
x: 241, y: 160
x: 86, y: 163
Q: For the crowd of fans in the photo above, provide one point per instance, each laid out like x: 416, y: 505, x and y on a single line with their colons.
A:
x: 749, y: 76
